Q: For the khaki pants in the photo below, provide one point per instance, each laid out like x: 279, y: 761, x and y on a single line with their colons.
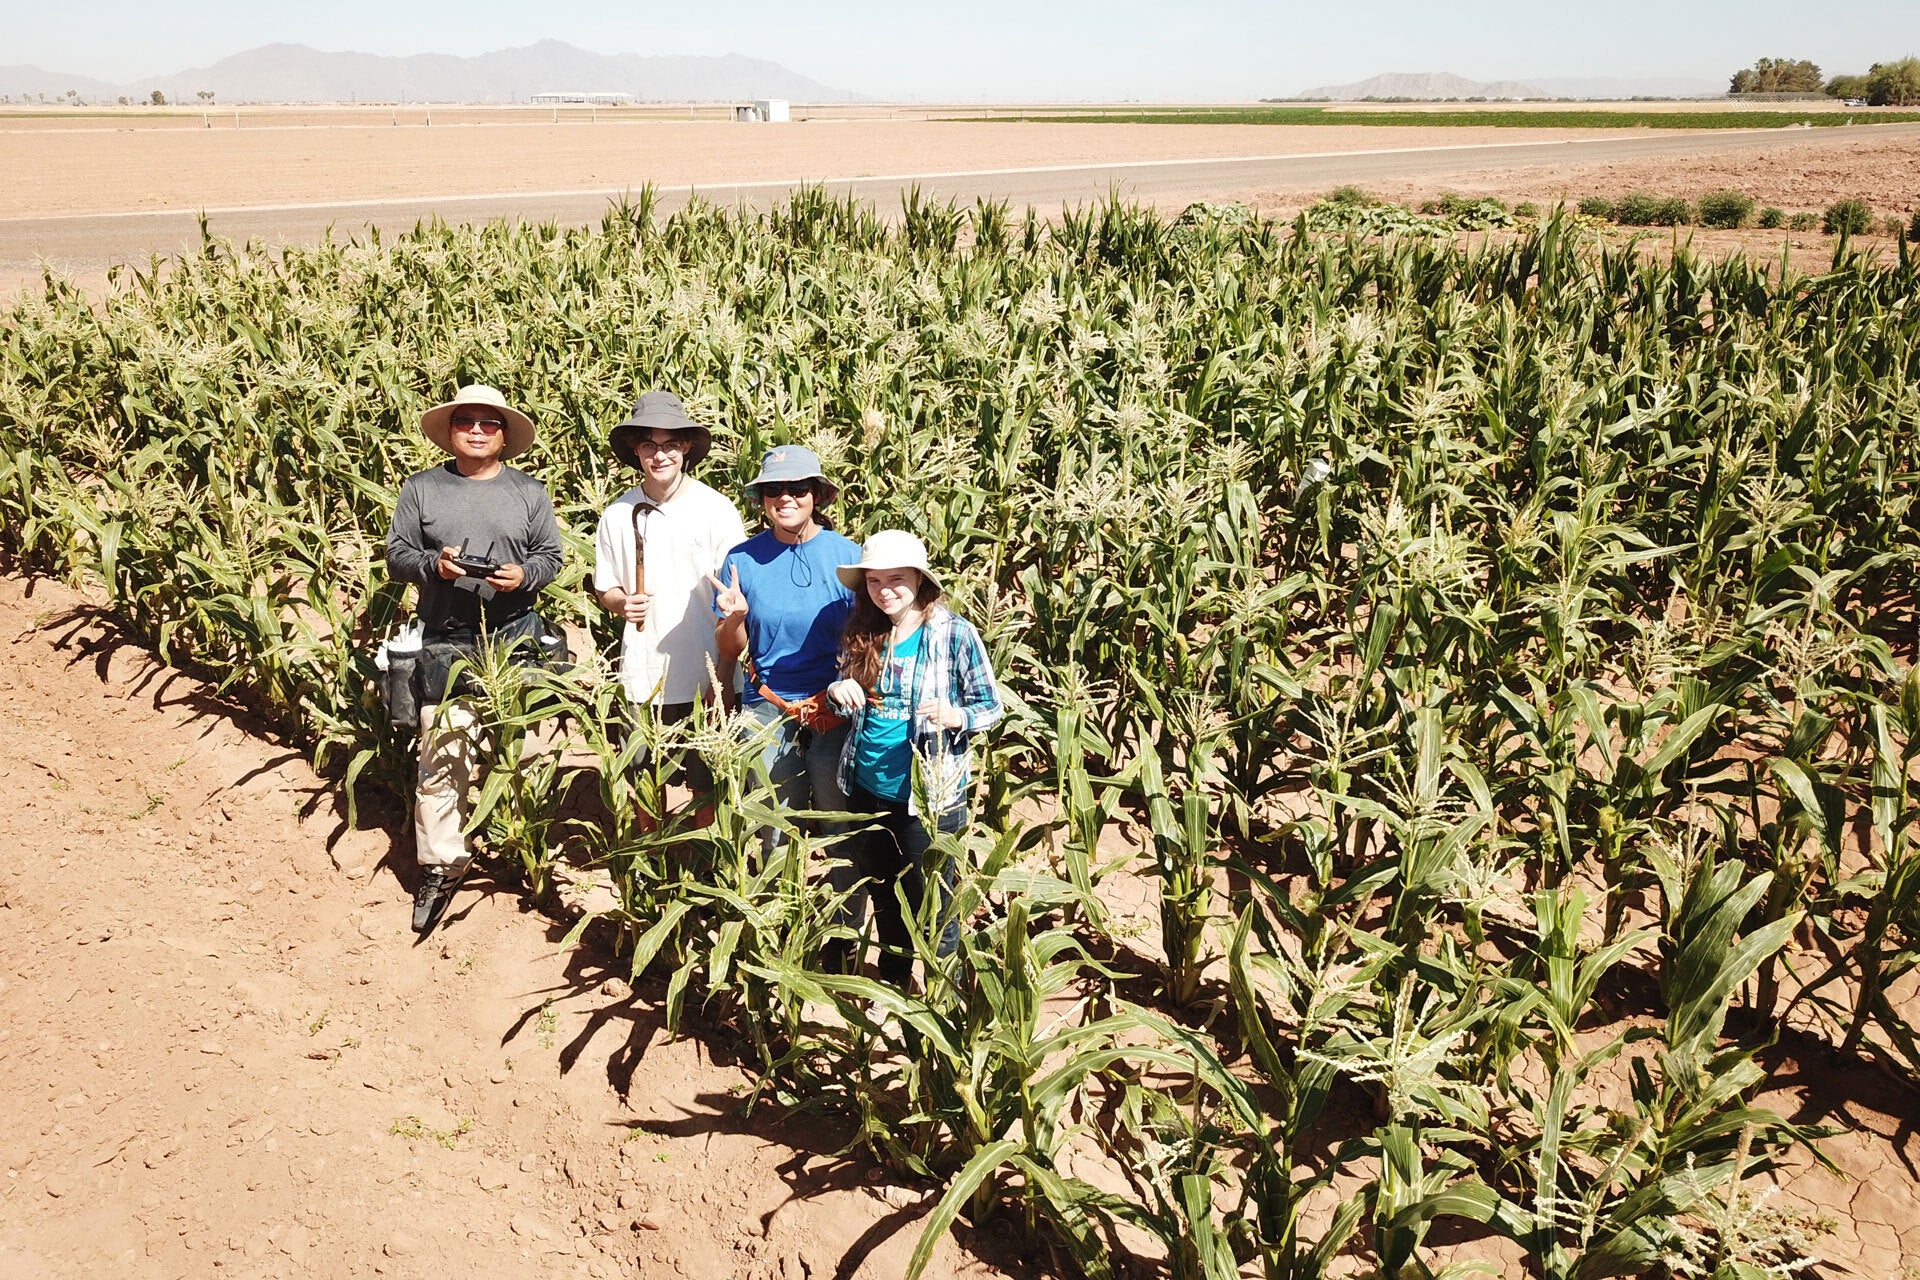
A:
x: 449, y: 756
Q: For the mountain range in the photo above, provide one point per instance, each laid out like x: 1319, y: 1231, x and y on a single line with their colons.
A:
x: 296, y: 73
x: 1425, y: 86
x: 1441, y: 86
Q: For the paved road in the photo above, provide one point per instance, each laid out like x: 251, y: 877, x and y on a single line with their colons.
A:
x: 85, y: 246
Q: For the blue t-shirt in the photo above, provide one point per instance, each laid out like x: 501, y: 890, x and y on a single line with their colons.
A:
x: 882, y: 759
x: 796, y: 609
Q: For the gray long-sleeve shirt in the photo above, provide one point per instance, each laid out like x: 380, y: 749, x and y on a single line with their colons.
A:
x: 507, y: 518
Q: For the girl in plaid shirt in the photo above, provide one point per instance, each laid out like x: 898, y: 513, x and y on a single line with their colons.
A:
x: 917, y: 686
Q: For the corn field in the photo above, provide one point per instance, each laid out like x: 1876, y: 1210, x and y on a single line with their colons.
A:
x: 1461, y: 701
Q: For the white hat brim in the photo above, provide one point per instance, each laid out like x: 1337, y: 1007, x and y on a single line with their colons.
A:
x: 854, y: 576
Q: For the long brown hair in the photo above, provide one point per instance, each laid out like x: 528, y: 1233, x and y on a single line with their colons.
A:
x: 864, y: 645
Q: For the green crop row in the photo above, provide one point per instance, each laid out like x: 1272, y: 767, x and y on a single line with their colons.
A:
x: 1733, y: 209
x: 1494, y: 660
x: 1472, y: 118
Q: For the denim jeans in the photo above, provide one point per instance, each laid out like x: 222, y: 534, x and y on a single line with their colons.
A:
x: 804, y: 767
x: 892, y: 859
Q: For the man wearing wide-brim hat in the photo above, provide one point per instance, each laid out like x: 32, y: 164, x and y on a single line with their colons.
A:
x: 656, y: 544
x: 480, y: 541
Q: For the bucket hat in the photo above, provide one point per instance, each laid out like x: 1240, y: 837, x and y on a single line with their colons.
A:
x: 887, y: 549
x: 436, y: 424
x: 659, y: 410
x: 792, y: 462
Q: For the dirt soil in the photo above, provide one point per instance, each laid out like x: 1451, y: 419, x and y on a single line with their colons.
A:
x: 89, y: 170
x: 1884, y: 173
x: 1805, y: 178
x: 149, y: 162
x: 225, y: 1053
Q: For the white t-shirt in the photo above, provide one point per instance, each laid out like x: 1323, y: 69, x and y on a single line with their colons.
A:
x: 686, y: 539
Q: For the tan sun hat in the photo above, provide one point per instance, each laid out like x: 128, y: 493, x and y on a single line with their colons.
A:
x: 436, y: 423
x: 887, y: 549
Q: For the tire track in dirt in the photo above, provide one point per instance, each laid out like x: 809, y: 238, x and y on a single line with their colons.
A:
x: 223, y: 1048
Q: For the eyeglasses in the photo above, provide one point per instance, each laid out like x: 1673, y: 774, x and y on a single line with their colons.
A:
x: 489, y: 424
x: 675, y: 445
x: 785, y: 488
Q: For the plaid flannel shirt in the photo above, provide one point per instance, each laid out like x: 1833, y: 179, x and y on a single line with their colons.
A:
x: 953, y: 668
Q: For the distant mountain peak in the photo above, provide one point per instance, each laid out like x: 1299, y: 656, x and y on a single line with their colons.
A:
x: 1422, y: 86
x: 284, y: 72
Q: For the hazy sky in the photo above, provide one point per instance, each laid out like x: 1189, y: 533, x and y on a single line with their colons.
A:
x: 1003, y: 49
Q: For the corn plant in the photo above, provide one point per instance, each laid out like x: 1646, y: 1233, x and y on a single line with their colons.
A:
x: 521, y: 785
x: 1607, y: 1195
x: 976, y: 1081
x: 1397, y: 586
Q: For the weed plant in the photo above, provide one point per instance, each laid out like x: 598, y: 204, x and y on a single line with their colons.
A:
x: 1848, y: 218
x: 1726, y: 209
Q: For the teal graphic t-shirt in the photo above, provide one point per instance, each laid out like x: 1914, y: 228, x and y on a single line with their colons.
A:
x: 883, y: 758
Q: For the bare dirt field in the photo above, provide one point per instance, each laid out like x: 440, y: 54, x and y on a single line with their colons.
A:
x: 61, y: 116
x: 1885, y: 172
x: 102, y: 186
x: 224, y: 1055
x: 90, y: 171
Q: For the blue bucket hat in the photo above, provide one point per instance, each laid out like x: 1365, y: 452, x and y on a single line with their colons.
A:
x: 792, y: 462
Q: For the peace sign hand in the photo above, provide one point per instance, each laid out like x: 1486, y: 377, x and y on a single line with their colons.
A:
x: 729, y: 599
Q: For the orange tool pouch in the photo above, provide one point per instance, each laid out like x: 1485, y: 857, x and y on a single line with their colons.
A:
x: 815, y: 713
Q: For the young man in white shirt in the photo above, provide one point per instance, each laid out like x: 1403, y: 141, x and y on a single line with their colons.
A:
x: 656, y: 545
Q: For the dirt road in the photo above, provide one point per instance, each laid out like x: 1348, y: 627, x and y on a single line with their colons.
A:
x: 80, y: 228
x: 224, y: 1054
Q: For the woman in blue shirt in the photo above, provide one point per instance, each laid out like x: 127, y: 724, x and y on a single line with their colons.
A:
x: 781, y: 609
x: 918, y: 685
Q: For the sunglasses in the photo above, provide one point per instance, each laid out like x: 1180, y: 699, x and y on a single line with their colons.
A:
x: 491, y: 424
x: 786, y: 488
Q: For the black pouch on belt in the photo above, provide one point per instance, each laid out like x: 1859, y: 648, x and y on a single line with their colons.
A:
x: 435, y: 671
x: 529, y: 639
x: 400, y: 688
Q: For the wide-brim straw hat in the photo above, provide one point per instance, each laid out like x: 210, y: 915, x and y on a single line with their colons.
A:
x: 436, y: 424
x: 789, y: 462
x: 659, y: 410
x: 887, y: 549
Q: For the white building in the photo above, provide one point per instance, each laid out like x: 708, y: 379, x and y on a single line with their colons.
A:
x: 763, y: 111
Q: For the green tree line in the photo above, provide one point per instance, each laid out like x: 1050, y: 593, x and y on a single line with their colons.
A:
x: 1885, y: 84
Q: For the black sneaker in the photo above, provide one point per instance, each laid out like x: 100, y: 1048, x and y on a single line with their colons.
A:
x: 429, y: 898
